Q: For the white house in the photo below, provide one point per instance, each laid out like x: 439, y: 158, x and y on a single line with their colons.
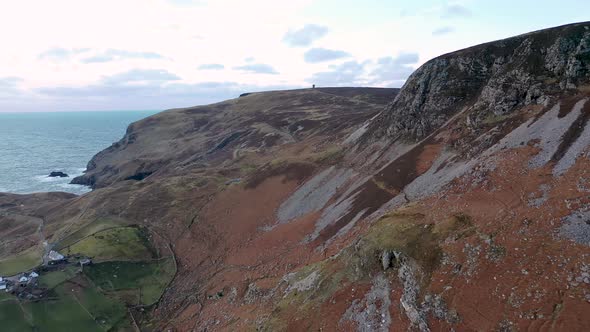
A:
x: 85, y: 261
x: 55, y: 256
x: 23, y: 280
x: 33, y: 275
x: 3, y: 285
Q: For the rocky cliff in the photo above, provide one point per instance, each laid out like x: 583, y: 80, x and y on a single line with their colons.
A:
x: 491, y: 80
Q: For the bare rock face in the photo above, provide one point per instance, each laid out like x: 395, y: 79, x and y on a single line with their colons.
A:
x: 491, y: 79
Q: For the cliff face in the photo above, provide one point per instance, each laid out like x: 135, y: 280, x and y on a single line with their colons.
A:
x: 491, y: 80
x: 462, y: 204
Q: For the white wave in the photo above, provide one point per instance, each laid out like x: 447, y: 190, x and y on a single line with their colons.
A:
x: 46, y: 178
x: 77, y: 171
x: 74, y: 188
x: 72, y: 172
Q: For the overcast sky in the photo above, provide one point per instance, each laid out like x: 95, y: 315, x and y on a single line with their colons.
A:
x: 65, y: 55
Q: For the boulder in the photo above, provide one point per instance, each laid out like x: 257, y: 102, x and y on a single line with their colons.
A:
x: 58, y: 175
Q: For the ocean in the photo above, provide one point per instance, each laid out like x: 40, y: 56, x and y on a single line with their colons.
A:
x: 32, y: 145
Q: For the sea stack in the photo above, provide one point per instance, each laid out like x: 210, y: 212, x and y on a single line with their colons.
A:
x: 57, y: 174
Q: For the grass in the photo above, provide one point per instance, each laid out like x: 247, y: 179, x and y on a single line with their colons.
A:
x: 5, y: 296
x: 151, y: 278
x: 107, y: 311
x: 83, y: 309
x: 124, y: 325
x: 121, y: 243
x: 68, y: 307
x: 54, y: 278
x: 94, y: 227
x: 21, y: 262
x: 12, y: 318
x: 64, y: 314
x: 128, y: 296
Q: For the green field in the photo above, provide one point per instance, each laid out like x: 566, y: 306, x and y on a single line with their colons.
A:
x: 21, y: 262
x: 107, y: 311
x: 149, y: 278
x: 121, y: 243
x: 54, y: 278
x: 124, y: 272
x: 12, y: 317
x: 64, y: 314
x: 70, y: 308
x: 94, y: 227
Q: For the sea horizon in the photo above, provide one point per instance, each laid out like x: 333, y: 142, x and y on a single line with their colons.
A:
x: 84, y: 111
x: 34, y: 144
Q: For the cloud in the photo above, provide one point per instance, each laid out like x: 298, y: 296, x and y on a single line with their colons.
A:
x: 9, y: 81
x: 393, y: 71
x: 403, y: 58
x: 95, y: 56
x: 443, y: 31
x: 135, y: 84
x: 347, y: 73
x: 140, y: 76
x: 186, y: 2
x: 9, y: 86
x: 211, y: 66
x: 456, y: 11
x: 258, y: 68
x: 60, y: 53
x: 305, y: 36
x: 387, y: 71
x: 114, y: 54
x: 157, y: 95
x: 316, y: 55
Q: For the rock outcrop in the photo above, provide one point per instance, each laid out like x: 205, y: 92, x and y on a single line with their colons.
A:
x: 490, y: 80
x: 58, y: 174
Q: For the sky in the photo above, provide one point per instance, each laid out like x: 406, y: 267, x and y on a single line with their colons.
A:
x: 73, y: 55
